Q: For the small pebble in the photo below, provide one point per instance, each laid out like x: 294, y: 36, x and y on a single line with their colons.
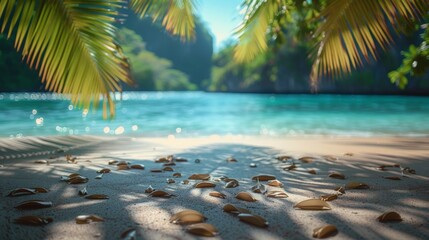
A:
x: 149, y: 189
x: 231, y: 159
x: 170, y: 180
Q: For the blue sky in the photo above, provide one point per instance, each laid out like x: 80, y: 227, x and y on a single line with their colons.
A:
x: 221, y: 17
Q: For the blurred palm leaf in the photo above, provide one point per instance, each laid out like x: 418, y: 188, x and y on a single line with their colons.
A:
x: 352, y: 31
x: 72, y: 42
x: 258, y: 17
x: 177, y: 15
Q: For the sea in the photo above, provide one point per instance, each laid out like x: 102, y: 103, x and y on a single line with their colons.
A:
x: 202, y: 114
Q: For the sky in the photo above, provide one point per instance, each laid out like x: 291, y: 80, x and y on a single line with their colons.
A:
x: 221, y: 17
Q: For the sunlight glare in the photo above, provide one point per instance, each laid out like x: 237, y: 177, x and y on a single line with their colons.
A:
x: 171, y: 137
x: 119, y: 130
x: 106, y: 130
x: 84, y: 112
x: 39, y: 121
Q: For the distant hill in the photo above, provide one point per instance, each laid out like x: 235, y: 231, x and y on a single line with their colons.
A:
x: 286, y: 69
x: 16, y: 76
x: 192, y: 57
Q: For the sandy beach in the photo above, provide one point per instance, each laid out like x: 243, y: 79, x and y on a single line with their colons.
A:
x: 353, y: 213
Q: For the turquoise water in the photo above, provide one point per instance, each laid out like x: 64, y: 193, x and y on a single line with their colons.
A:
x: 193, y: 114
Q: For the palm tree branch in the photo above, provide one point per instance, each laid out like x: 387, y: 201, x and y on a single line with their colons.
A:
x: 71, y: 44
x: 258, y: 17
x: 177, y: 15
x: 352, y: 30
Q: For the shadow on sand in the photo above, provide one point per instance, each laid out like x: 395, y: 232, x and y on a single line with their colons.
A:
x: 354, y: 213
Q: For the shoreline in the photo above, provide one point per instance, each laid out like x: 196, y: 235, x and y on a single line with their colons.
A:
x: 50, y: 144
x: 351, y: 93
x: 353, y: 213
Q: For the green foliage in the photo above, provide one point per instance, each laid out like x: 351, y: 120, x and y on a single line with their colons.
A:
x: 344, y: 33
x: 174, y: 80
x: 415, y: 62
x: 286, y: 68
x: 149, y: 71
x: 183, y: 55
x: 228, y: 74
x: 259, y: 17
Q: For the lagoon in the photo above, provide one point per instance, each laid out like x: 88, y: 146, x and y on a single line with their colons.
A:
x: 200, y: 114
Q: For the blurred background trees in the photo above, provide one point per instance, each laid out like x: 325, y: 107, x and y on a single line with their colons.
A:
x: 160, y: 61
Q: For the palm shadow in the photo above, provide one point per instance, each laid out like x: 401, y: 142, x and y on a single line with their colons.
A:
x: 354, y: 213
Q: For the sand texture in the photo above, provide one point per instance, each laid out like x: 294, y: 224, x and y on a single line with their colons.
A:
x: 353, y: 213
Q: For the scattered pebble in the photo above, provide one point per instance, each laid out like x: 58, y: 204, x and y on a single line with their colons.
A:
x: 170, y: 180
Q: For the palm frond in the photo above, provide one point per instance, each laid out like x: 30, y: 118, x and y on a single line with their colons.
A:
x: 72, y: 45
x: 252, y: 33
x: 177, y: 15
x: 352, y: 30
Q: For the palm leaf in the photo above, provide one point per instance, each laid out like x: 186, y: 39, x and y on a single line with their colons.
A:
x: 258, y: 17
x: 72, y: 45
x: 352, y: 31
x: 177, y: 15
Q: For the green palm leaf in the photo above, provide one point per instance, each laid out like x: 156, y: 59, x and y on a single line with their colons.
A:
x: 177, y: 15
x: 352, y: 30
x: 258, y: 17
x: 72, y: 45
x: 72, y: 42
